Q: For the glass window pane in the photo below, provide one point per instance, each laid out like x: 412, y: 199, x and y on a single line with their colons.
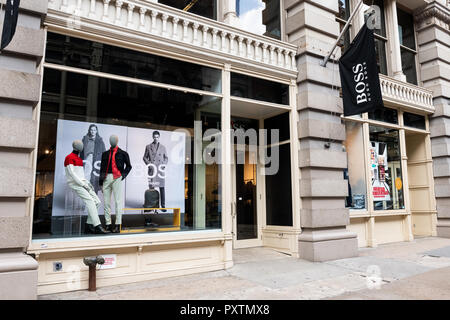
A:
x: 96, y: 56
x: 380, y: 51
x: 385, y: 115
x: 380, y: 5
x: 406, y: 29
x: 279, y: 189
x: 386, y: 169
x: 344, y: 9
x: 280, y: 123
x: 259, y: 89
x: 260, y: 16
x: 414, y: 120
x: 134, y: 113
x: 207, y: 9
x: 409, y: 66
x: 355, y: 172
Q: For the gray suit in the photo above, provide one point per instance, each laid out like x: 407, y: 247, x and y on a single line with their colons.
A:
x: 156, y: 154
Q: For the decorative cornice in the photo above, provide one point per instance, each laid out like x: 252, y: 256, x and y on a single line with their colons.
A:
x: 433, y: 10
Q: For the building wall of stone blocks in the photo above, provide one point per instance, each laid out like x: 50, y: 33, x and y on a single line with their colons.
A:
x: 311, y: 25
x: 433, y: 37
x: 20, y: 86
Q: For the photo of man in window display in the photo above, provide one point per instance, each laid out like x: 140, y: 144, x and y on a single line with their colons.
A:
x: 93, y: 147
x: 155, y: 157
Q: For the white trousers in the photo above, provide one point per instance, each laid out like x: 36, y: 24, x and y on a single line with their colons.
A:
x: 91, y: 200
x: 114, y: 186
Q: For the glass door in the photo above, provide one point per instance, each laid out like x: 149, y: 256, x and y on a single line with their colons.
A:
x: 246, y: 198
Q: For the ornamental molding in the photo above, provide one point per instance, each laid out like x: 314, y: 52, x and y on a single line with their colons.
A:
x: 163, y: 30
x: 434, y: 10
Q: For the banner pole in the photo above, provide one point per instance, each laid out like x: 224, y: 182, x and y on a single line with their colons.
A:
x: 324, y: 62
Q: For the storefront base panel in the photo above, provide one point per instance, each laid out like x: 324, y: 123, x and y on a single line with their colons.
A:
x: 423, y: 224
x: 132, y: 265
x: 389, y: 229
x: 359, y: 226
x: 281, y: 240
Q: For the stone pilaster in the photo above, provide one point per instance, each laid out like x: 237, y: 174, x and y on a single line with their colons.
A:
x: 311, y: 25
x: 20, y: 86
x: 433, y: 37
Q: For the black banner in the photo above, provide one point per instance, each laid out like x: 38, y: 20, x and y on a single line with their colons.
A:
x: 10, y: 22
x: 359, y: 75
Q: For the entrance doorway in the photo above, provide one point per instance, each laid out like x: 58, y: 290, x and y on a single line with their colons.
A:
x: 421, y: 191
x: 247, y: 196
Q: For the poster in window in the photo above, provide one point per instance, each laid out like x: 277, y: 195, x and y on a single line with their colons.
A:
x: 95, y: 138
x: 379, y: 169
x: 157, y: 158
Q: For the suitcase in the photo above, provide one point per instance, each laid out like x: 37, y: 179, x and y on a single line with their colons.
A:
x: 151, y: 199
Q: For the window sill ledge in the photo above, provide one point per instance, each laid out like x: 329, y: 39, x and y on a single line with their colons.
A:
x: 43, y: 246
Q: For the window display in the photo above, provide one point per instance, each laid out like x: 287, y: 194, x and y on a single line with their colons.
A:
x: 355, y: 173
x: 386, y: 169
x: 132, y: 168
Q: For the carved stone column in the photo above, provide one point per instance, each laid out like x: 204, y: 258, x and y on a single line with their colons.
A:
x: 323, y: 215
x: 433, y: 39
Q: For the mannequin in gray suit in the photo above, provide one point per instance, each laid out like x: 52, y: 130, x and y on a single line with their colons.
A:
x: 155, y: 158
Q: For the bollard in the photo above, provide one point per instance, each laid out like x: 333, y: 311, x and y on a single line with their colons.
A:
x: 92, y: 262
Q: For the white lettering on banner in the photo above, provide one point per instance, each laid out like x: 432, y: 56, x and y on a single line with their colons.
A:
x: 110, y: 261
x: 361, y: 87
x: 161, y: 169
x: 97, y: 167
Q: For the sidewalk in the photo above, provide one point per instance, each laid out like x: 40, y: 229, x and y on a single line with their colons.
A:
x: 406, y: 270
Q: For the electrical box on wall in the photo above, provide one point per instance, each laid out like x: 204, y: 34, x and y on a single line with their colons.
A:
x: 57, y: 266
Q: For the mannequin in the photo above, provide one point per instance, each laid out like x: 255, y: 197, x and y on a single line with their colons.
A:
x: 77, y: 182
x: 114, y: 168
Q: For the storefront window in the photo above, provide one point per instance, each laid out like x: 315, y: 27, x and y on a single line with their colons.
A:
x: 171, y: 139
x: 260, y: 17
x: 86, y: 54
x: 278, y: 181
x: 207, y: 9
x: 258, y: 89
x: 414, y: 120
x: 385, y: 115
x: 386, y: 169
x: 355, y: 172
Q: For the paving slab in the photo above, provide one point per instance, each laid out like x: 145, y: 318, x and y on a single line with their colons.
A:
x: 386, y: 268
x: 441, y: 252
x: 432, y: 285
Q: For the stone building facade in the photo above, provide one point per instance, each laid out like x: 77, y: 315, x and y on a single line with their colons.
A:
x: 131, y: 66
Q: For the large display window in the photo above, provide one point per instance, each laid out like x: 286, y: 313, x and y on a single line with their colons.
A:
x: 90, y: 55
x: 355, y: 172
x: 126, y: 156
x: 386, y: 169
x: 377, y: 159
